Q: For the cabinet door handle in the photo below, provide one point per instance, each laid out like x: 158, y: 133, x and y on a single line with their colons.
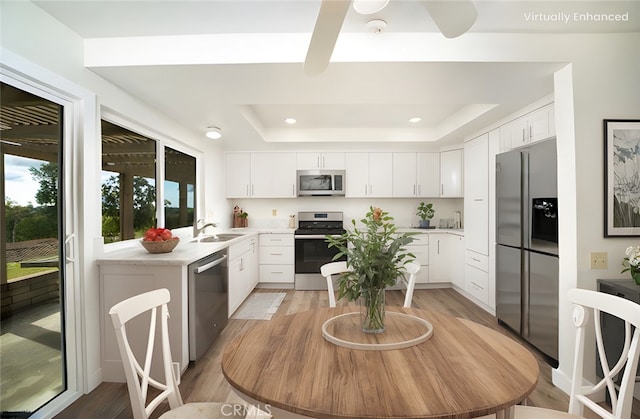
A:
x: 479, y: 199
x: 275, y: 254
x: 318, y: 162
x: 323, y: 162
x: 252, y: 190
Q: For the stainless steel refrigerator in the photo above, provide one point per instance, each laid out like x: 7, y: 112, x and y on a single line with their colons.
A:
x: 527, y: 244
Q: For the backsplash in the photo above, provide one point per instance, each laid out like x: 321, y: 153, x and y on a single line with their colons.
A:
x: 403, y: 210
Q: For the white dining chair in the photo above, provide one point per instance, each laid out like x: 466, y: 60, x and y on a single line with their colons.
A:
x: 138, y: 377
x: 594, y: 304
x: 328, y: 270
x: 409, y: 282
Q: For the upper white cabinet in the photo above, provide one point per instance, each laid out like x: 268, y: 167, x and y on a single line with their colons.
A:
x: 329, y: 161
x: 369, y: 175
x: 238, y: 175
x: 260, y: 175
x: 451, y: 174
x: 534, y: 126
x: 476, y: 186
x: 416, y: 175
x: 273, y: 175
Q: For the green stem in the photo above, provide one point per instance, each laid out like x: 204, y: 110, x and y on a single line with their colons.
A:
x: 372, y: 320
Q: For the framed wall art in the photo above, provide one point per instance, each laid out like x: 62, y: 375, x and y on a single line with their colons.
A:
x: 622, y: 178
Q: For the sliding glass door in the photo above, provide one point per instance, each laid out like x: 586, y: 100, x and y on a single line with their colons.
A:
x: 33, y: 368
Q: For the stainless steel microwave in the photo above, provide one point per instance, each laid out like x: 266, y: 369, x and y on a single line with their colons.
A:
x: 320, y: 182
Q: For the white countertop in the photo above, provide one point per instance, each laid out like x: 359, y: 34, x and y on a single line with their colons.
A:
x: 456, y: 231
x: 185, y: 253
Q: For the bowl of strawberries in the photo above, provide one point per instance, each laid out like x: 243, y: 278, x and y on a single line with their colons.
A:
x: 159, y: 240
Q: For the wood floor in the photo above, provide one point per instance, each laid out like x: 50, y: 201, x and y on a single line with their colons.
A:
x: 203, y: 381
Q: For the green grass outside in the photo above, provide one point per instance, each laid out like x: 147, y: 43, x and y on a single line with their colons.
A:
x: 15, y: 271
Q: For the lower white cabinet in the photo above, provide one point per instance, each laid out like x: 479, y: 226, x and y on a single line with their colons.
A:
x: 121, y: 281
x: 456, y: 250
x: 420, y: 249
x: 439, y: 263
x: 445, y: 253
x: 277, y: 259
x: 243, y: 275
x: 476, y: 275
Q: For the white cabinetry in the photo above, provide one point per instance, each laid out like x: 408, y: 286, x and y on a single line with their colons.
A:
x: 273, y: 175
x: 451, y: 174
x: 534, y: 126
x: 439, y: 258
x: 260, y: 175
x: 121, y: 281
x: 416, y: 175
x: 277, y: 258
x: 243, y: 275
x: 476, y: 197
x: 456, y: 251
x: 420, y: 249
x: 476, y: 275
x: 369, y: 175
x: 445, y: 253
x: 328, y: 161
x: 238, y: 175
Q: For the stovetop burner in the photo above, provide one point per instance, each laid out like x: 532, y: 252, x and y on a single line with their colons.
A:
x: 313, y: 223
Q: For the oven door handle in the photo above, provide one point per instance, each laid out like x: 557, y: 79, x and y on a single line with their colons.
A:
x: 313, y: 236
x: 210, y: 265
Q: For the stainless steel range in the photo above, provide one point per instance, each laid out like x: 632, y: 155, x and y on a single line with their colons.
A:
x: 311, y: 249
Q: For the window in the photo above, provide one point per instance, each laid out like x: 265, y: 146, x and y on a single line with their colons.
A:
x: 128, y: 183
x: 179, y: 188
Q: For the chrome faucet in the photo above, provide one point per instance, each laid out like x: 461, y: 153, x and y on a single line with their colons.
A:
x: 198, y: 230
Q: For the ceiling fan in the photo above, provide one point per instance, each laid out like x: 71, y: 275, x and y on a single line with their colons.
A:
x: 453, y: 18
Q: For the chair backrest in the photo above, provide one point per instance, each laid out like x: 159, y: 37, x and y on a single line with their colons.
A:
x: 138, y: 377
x: 591, y: 303
x: 328, y: 270
x: 410, y: 282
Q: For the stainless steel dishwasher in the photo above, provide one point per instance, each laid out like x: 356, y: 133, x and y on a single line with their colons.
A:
x: 208, y: 302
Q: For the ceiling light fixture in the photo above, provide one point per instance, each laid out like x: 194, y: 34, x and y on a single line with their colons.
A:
x: 214, y: 133
x: 290, y: 121
x: 367, y: 7
x: 415, y: 119
x: 377, y: 25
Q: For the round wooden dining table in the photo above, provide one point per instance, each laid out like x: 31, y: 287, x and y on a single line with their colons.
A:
x: 463, y: 370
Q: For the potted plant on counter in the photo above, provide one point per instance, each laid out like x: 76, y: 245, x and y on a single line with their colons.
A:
x: 426, y: 213
x: 375, y: 256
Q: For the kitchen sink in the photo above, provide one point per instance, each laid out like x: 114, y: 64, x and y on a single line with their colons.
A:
x: 217, y: 238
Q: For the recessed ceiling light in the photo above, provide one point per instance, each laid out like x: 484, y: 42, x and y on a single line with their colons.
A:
x: 415, y: 119
x: 290, y: 121
x: 214, y: 133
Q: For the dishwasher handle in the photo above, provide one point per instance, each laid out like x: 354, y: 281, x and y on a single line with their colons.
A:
x: 210, y: 265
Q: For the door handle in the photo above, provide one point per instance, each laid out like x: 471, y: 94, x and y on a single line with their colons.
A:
x: 68, y: 247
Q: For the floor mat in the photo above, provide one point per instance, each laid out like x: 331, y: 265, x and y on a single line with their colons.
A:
x: 260, y: 306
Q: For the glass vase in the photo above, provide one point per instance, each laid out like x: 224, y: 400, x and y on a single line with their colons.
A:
x: 372, y: 310
x: 635, y: 274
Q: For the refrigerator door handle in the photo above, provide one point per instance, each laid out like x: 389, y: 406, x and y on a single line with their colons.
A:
x: 525, y: 211
x: 525, y: 295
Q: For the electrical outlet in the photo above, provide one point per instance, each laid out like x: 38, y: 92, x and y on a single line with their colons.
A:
x: 599, y: 260
x: 274, y: 212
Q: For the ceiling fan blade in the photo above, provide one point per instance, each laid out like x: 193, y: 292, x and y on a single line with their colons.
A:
x: 453, y: 17
x: 325, y: 34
